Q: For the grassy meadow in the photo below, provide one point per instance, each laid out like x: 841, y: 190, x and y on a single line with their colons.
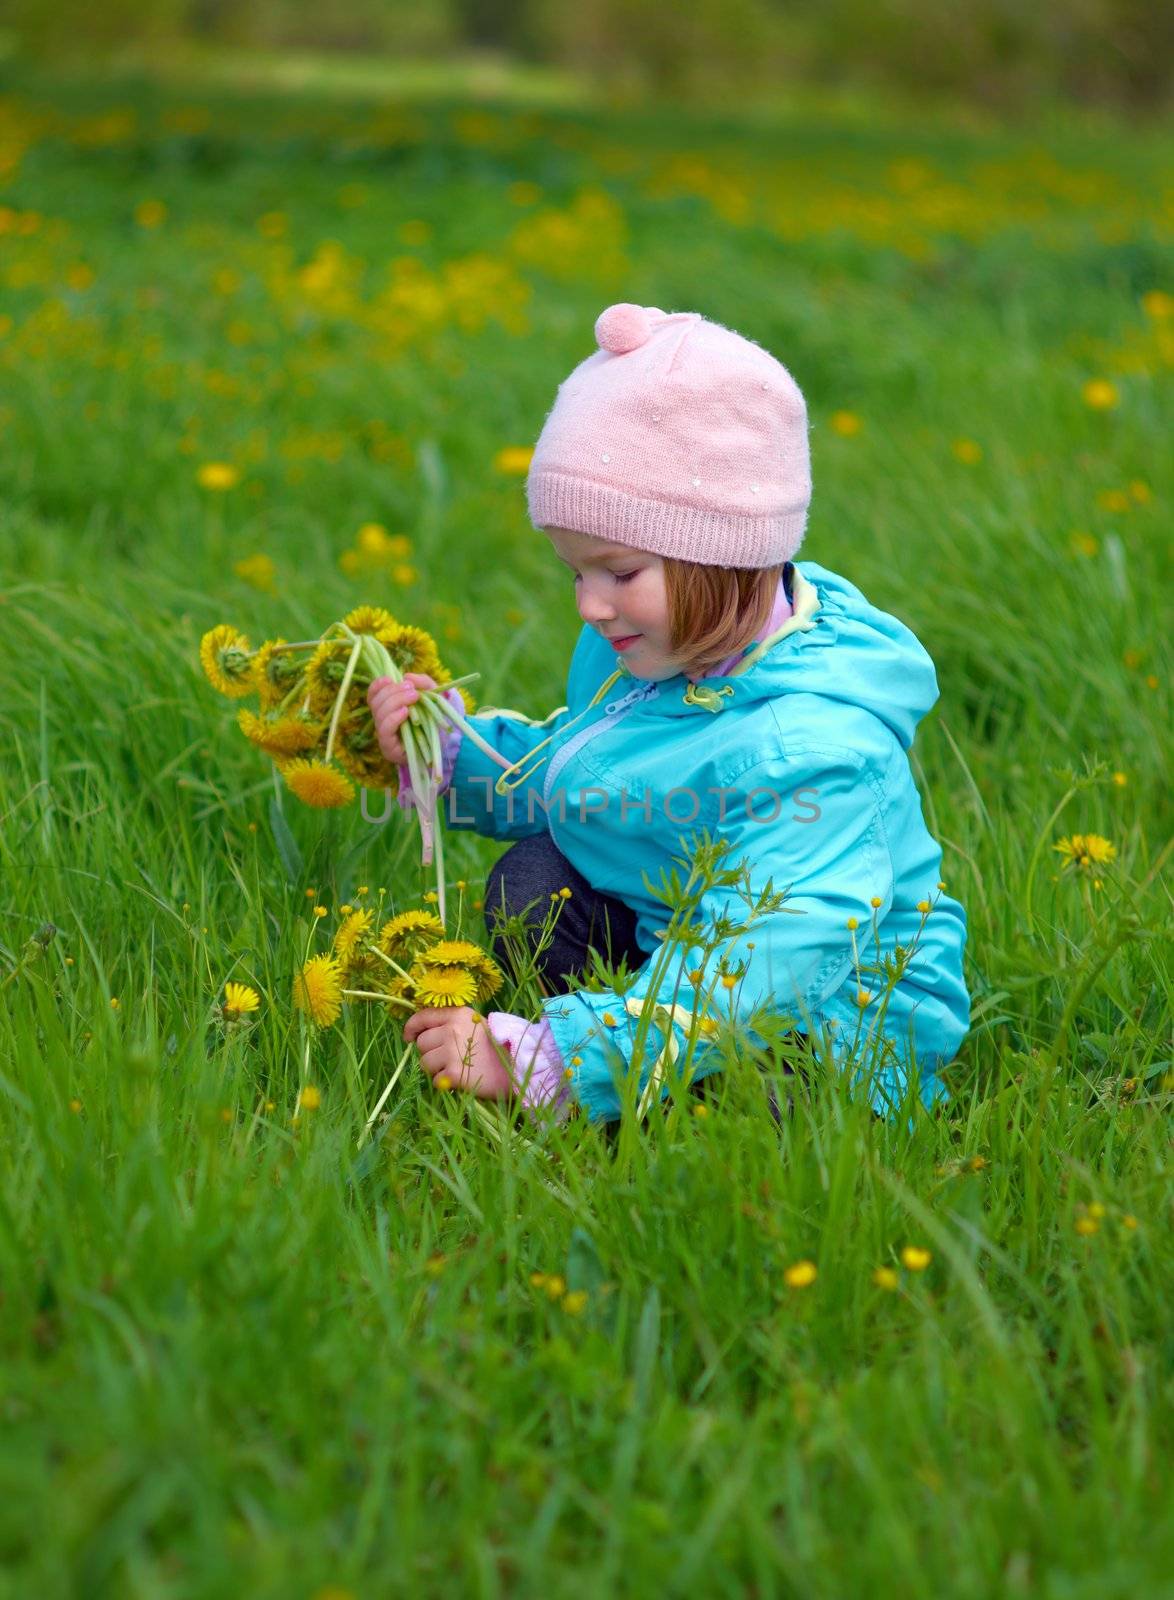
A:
x: 264, y: 357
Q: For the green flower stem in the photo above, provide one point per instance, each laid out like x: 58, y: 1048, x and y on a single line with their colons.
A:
x: 374, y: 994
x: 471, y: 733
x: 381, y: 1102
x: 376, y: 951
x: 340, y: 698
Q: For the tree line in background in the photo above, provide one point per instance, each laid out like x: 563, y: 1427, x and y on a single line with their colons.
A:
x: 1001, y: 53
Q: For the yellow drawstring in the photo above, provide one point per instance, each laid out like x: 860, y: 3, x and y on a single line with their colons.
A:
x: 526, y: 773
x: 711, y: 699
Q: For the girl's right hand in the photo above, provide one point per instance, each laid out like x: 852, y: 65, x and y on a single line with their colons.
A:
x: 389, y: 702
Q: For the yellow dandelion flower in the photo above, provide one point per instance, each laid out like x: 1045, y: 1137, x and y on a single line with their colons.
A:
x: 1113, y: 500
x: 700, y: 1110
x: 408, y: 931
x: 412, y: 650
x: 372, y: 540
x: 239, y: 1000
x: 452, y: 953
x: 275, y: 671
x: 915, y: 1259
x: 258, y: 570
x: 885, y: 1278
x: 316, y: 784
x: 1087, y: 1226
x: 311, y: 1097
x: 846, y: 423
x: 1100, y: 395
x: 226, y: 658
x: 608, y: 1020
x: 1086, y: 851
x: 1083, y: 544
x: 150, y: 213
x: 876, y: 902
x: 319, y: 911
x: 924, y: 907
x: 1159, y: 305
x: 1129, y: 1221
x: 318, y: 990
x: 1140, y: 491
x: 555, y: 1286
x: 968, y: 451
x: 218, y: 476
x: 514, y: 460
x: 445, y: 986
x: 575, y: 1303
x: 370, y: 619
x: 800, y: 1276
x: 350, y: 935
x: 864, y: 999
x: 852, y: 923
x: 279, y: 736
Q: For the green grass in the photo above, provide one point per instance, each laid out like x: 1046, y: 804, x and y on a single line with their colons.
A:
x: 236, y: 1358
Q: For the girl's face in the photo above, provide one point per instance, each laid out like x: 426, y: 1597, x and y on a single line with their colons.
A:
x: 621, y: 593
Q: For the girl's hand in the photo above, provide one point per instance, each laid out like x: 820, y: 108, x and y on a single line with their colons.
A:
x: 455, y: 1042
x: 389, y: 702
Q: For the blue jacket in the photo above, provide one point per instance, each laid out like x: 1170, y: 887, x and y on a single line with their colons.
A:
x: 798, y: 760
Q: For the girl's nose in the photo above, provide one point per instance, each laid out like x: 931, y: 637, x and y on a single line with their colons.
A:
x: 593, y: 608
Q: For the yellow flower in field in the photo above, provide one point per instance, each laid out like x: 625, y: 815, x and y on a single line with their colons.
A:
x: 1120, y: 780
x: 446, y: 986
x: 575, y: 1303
x: 311, y: 1097
x: 226, y: 658
x: 1113, y: 500
x: 915, y: 1259
x: 316, y: 784
x: 1140, y: 491
x: 279, y: 736
x: 885, y: 1278
x: 1087, y: 1226
x: 1086, y: 851
x: 318, y: 990
x: 259, y: 570
x: 800, y: 1276
x: 239, y: 1000
x: 150, y: 213
x: 1100, y: 395
x: 452, y: 953
x: 350, y: 934
x: 846, y: 423
x: 218, y: 476
x: 968, y: 451
x: 1159, y: 305
x: 514, y: 460
x: 405, y: 576
x: 1082, y: 544
x: 555, y: 1286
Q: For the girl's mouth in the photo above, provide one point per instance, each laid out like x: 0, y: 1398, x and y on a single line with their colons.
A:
x: 622, y: 644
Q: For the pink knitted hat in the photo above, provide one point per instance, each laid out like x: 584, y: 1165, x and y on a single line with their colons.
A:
x: 680, y: 437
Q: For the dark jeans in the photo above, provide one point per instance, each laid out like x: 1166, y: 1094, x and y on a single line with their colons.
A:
x: 532, y: 870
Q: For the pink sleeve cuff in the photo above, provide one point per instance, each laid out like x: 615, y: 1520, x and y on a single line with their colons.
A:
x: 450, y: 744
x: 538, y: 1065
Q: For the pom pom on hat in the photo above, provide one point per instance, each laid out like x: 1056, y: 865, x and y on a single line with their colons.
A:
x: 622, y: 328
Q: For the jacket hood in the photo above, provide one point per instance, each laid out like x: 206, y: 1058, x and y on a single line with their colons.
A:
x: 835, y: 645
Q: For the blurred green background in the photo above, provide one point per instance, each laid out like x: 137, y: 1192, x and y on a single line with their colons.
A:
x: 999, y: 53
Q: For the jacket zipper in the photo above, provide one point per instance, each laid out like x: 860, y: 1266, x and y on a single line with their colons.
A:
x: 614, y: 711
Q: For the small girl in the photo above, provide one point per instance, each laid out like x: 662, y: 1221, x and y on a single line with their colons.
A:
x: 716, y: 685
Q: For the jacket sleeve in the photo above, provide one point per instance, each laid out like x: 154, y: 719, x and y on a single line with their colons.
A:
x: 826, y: 848
x: 471, y: 800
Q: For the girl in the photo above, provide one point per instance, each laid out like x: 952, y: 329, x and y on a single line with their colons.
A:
x: 719, y: 685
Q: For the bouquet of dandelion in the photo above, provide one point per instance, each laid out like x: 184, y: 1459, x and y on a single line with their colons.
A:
x: 314, y: 721
x: 408, y: 962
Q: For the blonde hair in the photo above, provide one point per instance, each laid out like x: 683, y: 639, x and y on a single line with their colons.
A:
x: 716, y: 611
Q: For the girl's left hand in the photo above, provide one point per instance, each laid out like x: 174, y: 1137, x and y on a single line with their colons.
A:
x: 455, y: 1041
